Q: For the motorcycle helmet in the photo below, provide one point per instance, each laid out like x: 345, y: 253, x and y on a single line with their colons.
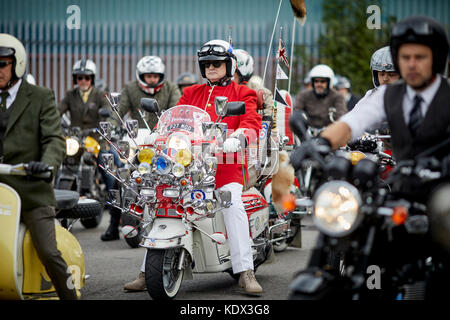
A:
x: 217, y: 50
x: 322, y: 71
x: 307, y: 79
x: 421, y: 30
x: 342, y: 83
x: 245, y: 65
x: 84, y: 67
x: 150, y: 64
x: 10, y: 46
x: 186, y: 79
x: 381, y: 60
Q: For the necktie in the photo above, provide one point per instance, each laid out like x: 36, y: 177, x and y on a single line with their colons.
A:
x: 4, y: 96
x: 415, y: 116
x: 85, y: 96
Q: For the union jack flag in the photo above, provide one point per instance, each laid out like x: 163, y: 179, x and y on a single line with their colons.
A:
x: 281, y: 54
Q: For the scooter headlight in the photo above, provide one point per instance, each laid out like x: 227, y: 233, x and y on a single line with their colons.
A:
x: 146, y: 155
x: 178, y: 170
x: 178, y: 141
x: 72, y: 146
x: 163, y: 165
x: 184, y: 157
x: 336, y: 208
x: 144, y: 167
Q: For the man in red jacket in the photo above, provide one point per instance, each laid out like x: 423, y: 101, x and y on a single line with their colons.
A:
x: 218, y: 64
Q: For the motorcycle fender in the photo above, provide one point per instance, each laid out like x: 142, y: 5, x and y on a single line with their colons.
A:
x: 168, y: 233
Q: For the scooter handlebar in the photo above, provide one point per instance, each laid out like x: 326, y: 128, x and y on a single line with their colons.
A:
x: 21, y: 170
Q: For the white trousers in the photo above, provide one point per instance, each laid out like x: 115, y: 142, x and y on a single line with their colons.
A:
x: 236, y: 223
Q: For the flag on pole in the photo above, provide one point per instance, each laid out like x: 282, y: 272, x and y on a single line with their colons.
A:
x: 281, y: 54
x: 284, y: 109
x: 281, y: 75
x: 279, y: 98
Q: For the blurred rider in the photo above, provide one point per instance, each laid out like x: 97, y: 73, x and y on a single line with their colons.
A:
x: 150, y: 83
x: 323, y: 100
x: 185, y: 80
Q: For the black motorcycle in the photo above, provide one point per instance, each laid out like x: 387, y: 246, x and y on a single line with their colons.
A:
x: 374, y: 243
x: 79, y: 171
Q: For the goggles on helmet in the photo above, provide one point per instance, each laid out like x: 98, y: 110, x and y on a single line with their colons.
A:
x: 6, y: 52
x: 214, y: 49
x: 419, y: 28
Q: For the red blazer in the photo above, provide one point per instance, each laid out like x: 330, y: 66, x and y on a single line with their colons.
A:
x: 197, y: 95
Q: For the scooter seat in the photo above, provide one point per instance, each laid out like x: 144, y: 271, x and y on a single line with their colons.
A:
x: 66, y: 199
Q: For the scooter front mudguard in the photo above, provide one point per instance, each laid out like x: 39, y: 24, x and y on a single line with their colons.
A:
x: 168, y: 233
x: 11, y: 268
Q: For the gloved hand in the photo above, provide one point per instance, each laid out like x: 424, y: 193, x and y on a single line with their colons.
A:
x: 150, y: 139
x: 37, y: 167
x: 314, y: 148
x: 237, y: 133
x: 231, y: 145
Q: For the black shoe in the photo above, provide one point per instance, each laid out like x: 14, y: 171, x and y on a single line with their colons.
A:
x: 110, y: 235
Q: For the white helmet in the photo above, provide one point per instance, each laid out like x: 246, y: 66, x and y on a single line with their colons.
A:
x: 217, y: 50
x: 84, y: 67
x: 245, y: 65
x: 322, y: 71
x: 150, y: 64
x: 381, y: 60
x: 255, y: 82
x: 11, y: 46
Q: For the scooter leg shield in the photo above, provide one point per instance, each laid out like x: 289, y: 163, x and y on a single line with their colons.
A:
x: 36, y: 279
x: 10, y: 266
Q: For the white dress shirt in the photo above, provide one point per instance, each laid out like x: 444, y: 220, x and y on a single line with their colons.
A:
x: 369, y: 112
x: 12, y: 93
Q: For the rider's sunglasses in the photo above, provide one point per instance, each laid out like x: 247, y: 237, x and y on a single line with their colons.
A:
x: 215, y: 64
x: 319, y: 81
x: 421, y: 29
x: 87, y: 78
x: 4, y: 63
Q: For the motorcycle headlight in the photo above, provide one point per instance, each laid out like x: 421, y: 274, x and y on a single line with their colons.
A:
x: 91, y: 145
x: 146, y: 155
x: 163, y: 165
x: 184, y: 157
x: 72, y: 146
x: 356, y: 156
x: 178, y: 141
x: 336, y: 206
x: 178, y: 170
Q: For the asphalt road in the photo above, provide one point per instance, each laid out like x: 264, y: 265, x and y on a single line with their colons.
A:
x: 111, y: 264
